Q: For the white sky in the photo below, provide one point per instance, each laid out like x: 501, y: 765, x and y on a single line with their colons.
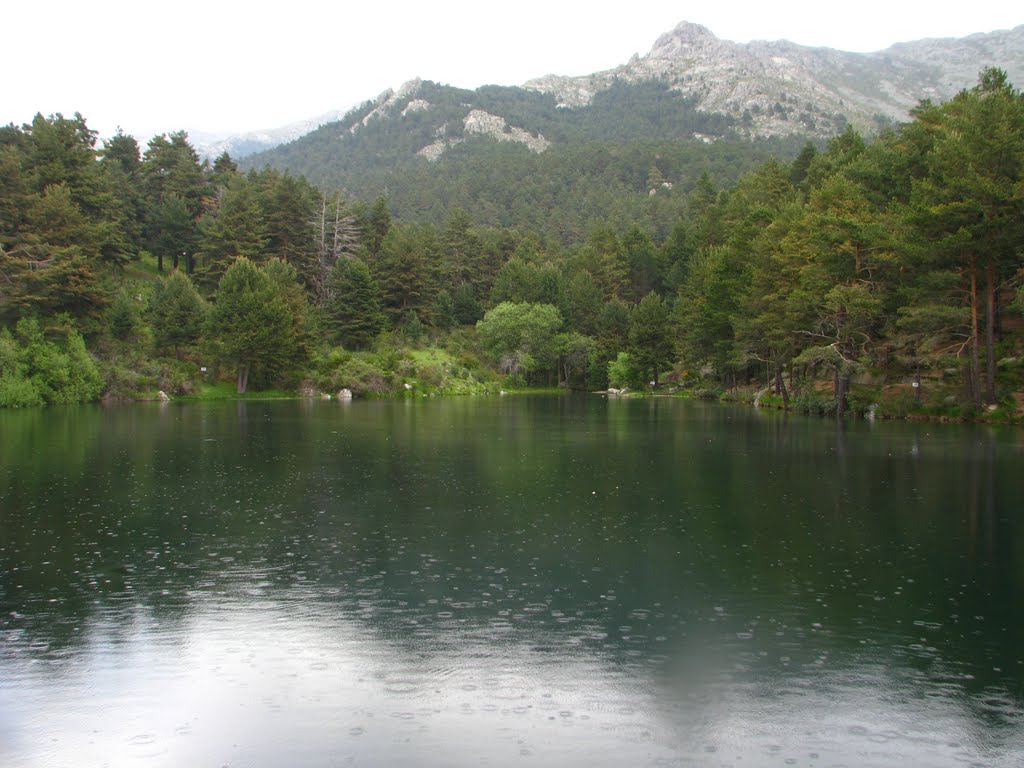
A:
x: 220, y: 66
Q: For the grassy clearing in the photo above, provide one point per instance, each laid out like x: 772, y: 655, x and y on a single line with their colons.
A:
x: 224, y: 390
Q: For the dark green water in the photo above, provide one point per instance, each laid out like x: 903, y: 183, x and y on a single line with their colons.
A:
x: 528, y: 581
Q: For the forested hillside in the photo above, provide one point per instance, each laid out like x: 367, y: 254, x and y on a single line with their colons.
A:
x: 866, y: 271
x: 600, y: 163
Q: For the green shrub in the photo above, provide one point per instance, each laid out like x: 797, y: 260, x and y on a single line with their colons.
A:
x: 898, y: 405
x: 18, y: 392
x: 771, y: 400
x: 621, y: 372
x: 124, y: 316
x: 860, y: 399
x: 706, y: 393
x: 359, y: 373
x: 54, y: 369
x: 178, y: 377
x: 815, y: 404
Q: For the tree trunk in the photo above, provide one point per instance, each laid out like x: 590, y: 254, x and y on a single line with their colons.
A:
x: 243, y: 378
x: 160, y: 263
x: 975, y: 378
x: 990, y: 332
x: 842, y: 387
x: 780, y: 386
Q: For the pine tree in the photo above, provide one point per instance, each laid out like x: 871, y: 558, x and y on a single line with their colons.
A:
x: 355, y: 311
x: 177, y: 312
x: 252, y: 322
x: 650, y: 336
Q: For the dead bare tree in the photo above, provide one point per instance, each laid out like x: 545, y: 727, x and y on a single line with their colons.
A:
x: 337, y: 237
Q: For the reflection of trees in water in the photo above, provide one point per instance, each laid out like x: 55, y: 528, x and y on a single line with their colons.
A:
x: 543, y: 522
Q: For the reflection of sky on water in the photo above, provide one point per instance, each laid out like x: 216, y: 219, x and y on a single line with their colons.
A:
x: 257, y: 682
x: 552, y: 582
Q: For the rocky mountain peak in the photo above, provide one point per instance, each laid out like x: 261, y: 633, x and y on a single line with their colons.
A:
x: 681, y: 40
x: 781, y: 88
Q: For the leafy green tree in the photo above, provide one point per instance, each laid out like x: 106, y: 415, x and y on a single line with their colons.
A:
x: 522, y: 336
x: 623, y: 373
x: 575, y: 356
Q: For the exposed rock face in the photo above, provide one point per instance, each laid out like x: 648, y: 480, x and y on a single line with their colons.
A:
x: 484, y: 123
x: 480, y: 122
x: 769, y: 88
x: 779, y: 88
x: 434, y: 151
x: 388, y: 102
x: 416, y: 105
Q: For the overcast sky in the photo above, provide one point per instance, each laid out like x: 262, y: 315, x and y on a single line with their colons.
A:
x: 231, y: 67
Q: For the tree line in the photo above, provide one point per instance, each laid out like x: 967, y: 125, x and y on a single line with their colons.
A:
x: 895, y: 259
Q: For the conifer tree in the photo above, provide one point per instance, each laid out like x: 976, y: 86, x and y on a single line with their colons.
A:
x: 355, y: 310
x: 177, y: 312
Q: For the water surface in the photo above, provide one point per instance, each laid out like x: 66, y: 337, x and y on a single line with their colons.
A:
x: 530, y: 581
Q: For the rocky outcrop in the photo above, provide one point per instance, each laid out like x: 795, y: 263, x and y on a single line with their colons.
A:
x: 388, y: 102
x: 416, y: 105
x: 780, y: 88
x: 486, y: 124
x: 480, y: 123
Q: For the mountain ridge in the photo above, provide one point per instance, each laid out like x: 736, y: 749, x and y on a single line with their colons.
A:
x: 771, y: 88
x: 524, y: 156
x: 767, y: 83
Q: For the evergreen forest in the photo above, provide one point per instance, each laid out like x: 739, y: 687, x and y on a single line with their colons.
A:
x: 877, y: 274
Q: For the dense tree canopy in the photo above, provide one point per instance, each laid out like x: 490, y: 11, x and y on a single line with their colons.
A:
x: 894, y: 260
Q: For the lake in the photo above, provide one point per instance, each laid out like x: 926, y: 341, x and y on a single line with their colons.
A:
x: 538, y: 581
